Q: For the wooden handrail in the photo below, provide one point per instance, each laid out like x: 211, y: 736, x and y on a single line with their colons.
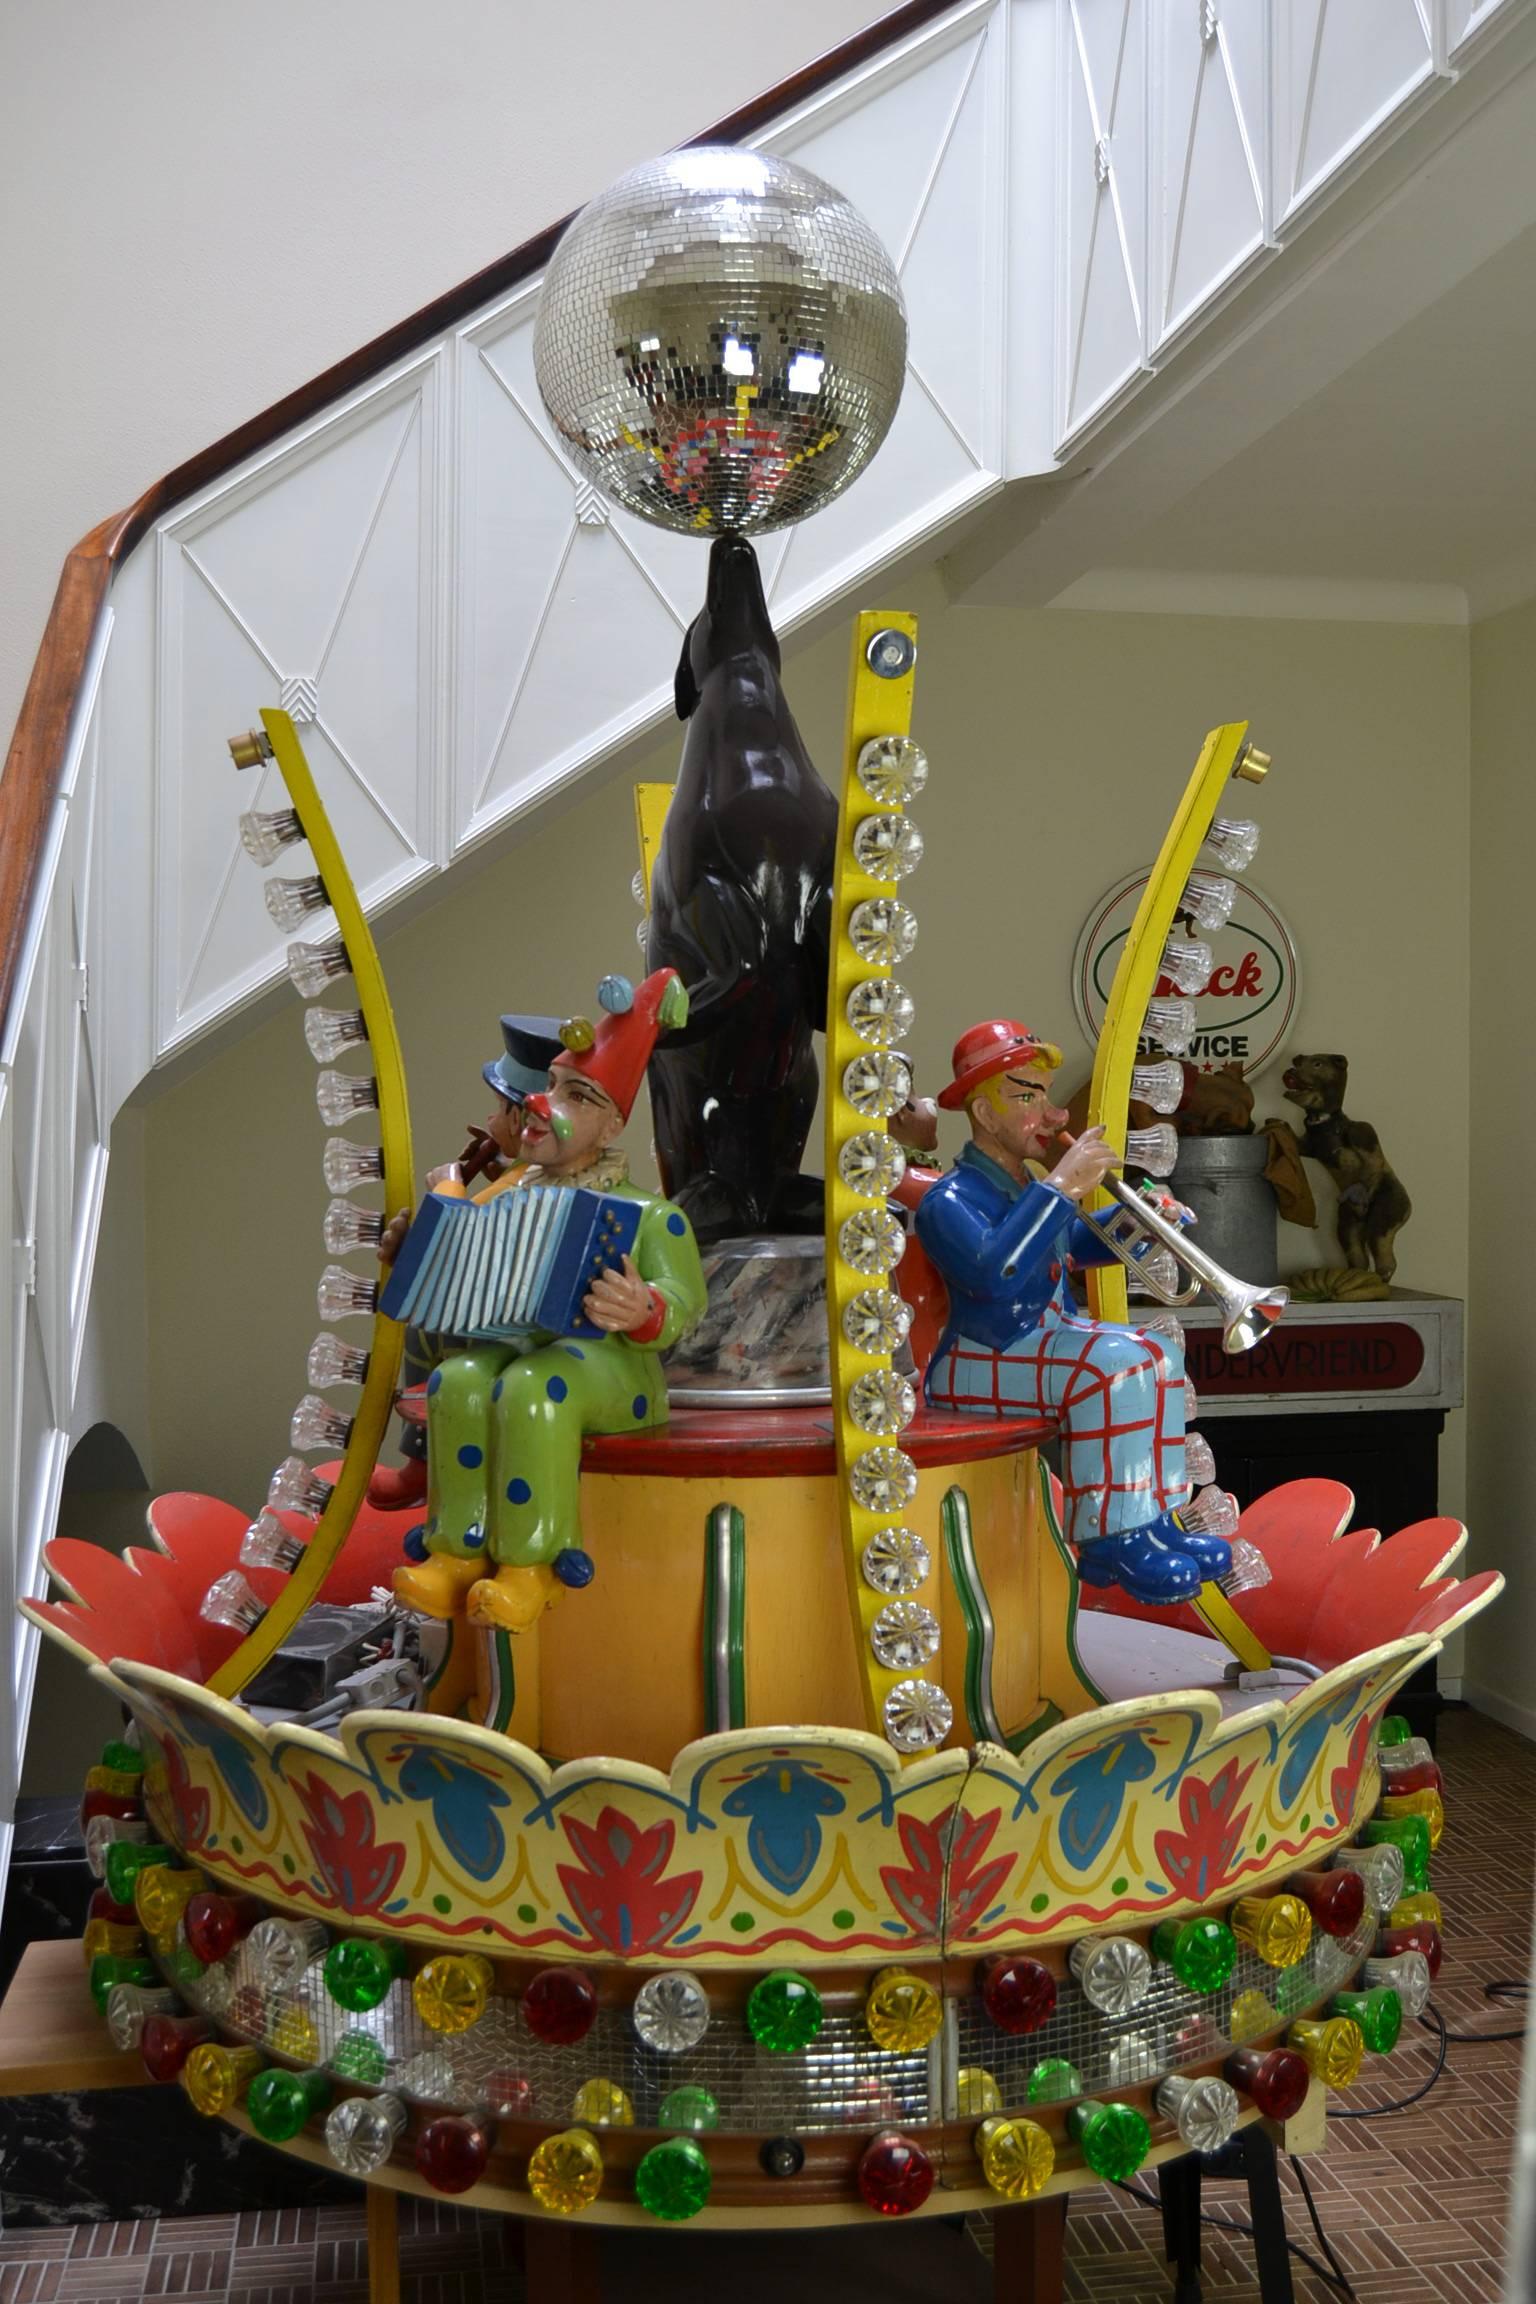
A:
x: 35, y: 760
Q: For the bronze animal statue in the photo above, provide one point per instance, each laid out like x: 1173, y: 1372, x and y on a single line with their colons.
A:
x: 1373, y: 1207
x: 741, y: 907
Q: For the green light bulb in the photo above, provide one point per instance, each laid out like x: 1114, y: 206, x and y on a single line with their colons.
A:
x: 282, y: 2103
x: 1379, y: 2014
x: 359, y: 1972
x: 113, y: 1968
x: 1113, y: 2139
x: 1201, y: 1953
x: 784, y: 2012
x: 1054, y: 2081
x: 1409, y: 1833
x: 690, y: 2108
x: 1394, y: 1729
x: 359, y: 2057
x: 126, y: 1859
x: 672, y: 2181
x: 127, y: 1759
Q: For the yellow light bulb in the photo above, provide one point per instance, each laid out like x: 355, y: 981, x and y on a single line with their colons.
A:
x: 161, y: 1893
x: 1410, y: 1911
x: 1332, y: 2050
x: 451, y: 1991
x: 565, y: 2173
x: 1278, y: 1928
x: 1253, y: 2014
x: 295, y: 2034
x: 1427, y: 1804
x: 903, y: 2011
x: 603, y: 2104
x: 216, y: 2078
x: 119, y: 1938
x: 1017, y: 2157
x: 976, y: 2093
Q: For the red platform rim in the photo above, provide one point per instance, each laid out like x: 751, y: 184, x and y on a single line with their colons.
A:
x: 771, y: 1443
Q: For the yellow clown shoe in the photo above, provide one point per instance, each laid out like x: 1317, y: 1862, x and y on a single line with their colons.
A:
x: 515, y: 1597
x: 436, y: 1586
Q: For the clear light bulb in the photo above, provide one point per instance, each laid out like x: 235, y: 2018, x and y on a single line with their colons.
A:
x: 1191, y: 1396
x: 1157, y: 1274
x: 904, y: 1636
x: 129, y: 2004
x: 229, y: 1601
x: 1154, y: 1149
x: 877, y: 1084
x: 332, y: 1031
x: 1170, y: 1025
x: 917, y: 1715
x: 332, y: 1362
x: 338, y: 1095
x: 883, y: 1480
x: 1205, y: 2111
x: 881, y: 1011
x: 1214, y: 1512
x: 1249, y: 1571
x: 313, y: 967
x: 346, y: 1164
x: 1234, y: 841
x: 1165, y: 1326
x: 264, y: 837
x: 268, y: 1544
x: 1380, y: 1868
x: 1115, y: 1972
x: 341, y: 1292
x: 872, y: 1240
x: 1160, y: 1085
x: 317, y: 1426
x: 278, y: 1952
x: 895, y: 1560
x: 1208, y: 900
x: 882, y: 1402
x: 882, y: 930
x: 1407, y: 1975
x: 871, y: 1164
x: 1199, y: 1462
x: 291, y: 902
x: 361, y: 2132
x: 877, y: 1320
x: 1187, y: 965
x: 298, y: 1487
x: 888, y: 847
x: 892, y: 770
x: 347, y: 1227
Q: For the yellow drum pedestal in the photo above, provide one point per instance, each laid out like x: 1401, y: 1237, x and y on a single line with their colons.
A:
x: 632, y: 1664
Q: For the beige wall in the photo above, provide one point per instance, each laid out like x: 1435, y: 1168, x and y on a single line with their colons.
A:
x: 1060, y: 743
x: 1501, y: 1428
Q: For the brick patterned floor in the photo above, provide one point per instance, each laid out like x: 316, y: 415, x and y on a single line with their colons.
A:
x: 1414, y: 2205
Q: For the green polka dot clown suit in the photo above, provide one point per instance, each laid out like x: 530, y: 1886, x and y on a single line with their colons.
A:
x: 505, y: 1422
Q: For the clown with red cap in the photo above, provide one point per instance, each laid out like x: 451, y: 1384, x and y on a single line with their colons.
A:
x: 505, y: 1421
x: 1002, y: 1231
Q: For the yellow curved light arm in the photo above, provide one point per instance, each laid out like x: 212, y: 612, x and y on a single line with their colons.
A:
x: 374, y: 1409
x: 1224, y: 753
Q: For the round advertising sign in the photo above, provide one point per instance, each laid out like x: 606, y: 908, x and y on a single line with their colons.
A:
x: 1244, y: 1014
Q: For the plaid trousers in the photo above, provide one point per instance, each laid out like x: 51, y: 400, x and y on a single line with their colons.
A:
x: 1115, y: 1395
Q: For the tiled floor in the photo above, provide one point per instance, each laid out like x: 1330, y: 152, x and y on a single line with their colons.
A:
x: 1413, y: 2204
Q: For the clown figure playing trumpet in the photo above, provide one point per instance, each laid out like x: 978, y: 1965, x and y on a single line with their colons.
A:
x: 1002, y: 1230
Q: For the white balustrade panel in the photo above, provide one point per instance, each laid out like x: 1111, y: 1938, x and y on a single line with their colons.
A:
x: 1342, y: 68
x: 53, y: 1162
x: 1101, y: 248
x: 1210, y: 152
x: 1466, y: 20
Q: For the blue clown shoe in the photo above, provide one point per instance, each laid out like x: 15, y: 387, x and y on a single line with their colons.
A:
x: 1211, y: 1554
x: 1153, y: 1572
x: 415, y: 1545
x: 575, y: 1567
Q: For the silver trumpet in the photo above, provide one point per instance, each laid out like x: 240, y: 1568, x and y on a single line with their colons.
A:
x: 1248, y: 1313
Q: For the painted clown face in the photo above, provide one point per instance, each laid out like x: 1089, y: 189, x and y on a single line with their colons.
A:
x: 1013, y: 1118
x: 568, y: 1124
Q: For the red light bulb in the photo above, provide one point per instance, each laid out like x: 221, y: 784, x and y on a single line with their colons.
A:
x: 1419, y: 1936
x: 214, y: 1924
x: 560, y: 2006
x: 895, y: 2175
x: 1275, y: 2078
x: 1423, y: 1776
x: 1018, y: 1994
x: 167, y: 2041
x: 1336, y: 1900
x: 112, y: 1804
x: 451, y: 2153
x: 103, y: 1906
x: 509, y: 2094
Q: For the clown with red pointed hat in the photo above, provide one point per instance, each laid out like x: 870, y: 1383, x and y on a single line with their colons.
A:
x: 1002, y: 1230
x: 505, y: 1422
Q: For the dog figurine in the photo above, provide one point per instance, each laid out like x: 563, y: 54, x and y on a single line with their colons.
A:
x: 1373, y: 1207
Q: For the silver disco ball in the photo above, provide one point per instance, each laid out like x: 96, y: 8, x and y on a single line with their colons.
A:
x: 721, y: 341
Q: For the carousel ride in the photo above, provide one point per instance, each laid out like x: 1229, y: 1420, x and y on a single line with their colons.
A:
x: 824, y: 1809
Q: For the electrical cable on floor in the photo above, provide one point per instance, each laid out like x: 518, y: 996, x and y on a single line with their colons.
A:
x: 1338, y: 2280
x: 1504, y: 1988
x: 1323, y: 2240
x: 1431, y: 2016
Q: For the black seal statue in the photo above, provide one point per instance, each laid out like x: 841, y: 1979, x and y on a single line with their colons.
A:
x: 741, y: 902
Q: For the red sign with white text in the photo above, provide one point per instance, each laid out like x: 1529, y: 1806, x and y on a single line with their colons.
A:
x: 1336, y: 1356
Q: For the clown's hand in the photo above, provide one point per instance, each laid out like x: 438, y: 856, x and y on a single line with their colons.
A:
x: 1084, y: 1165
x: 619, y: 1301
x: 393, y: 1238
